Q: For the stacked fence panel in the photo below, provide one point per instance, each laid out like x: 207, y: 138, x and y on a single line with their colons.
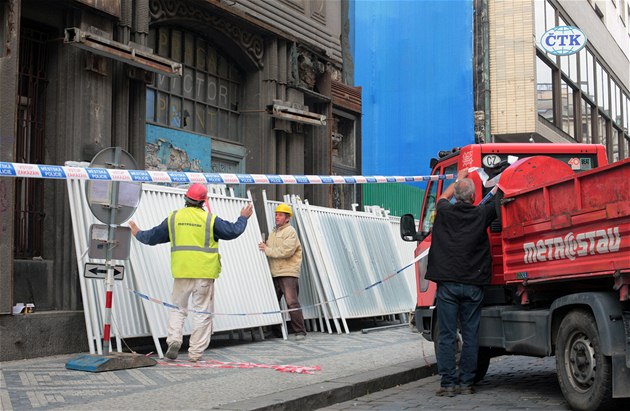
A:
x: 349, y: 253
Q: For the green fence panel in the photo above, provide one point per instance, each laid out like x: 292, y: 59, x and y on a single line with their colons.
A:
x: 398, y: 198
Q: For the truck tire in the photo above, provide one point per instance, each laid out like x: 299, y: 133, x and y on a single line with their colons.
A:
x: 584, y: 372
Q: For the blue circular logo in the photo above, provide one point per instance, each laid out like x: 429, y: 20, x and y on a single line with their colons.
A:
x: 563, y: 40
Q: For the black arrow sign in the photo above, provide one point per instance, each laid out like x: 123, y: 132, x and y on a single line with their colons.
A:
x: 99, y: 271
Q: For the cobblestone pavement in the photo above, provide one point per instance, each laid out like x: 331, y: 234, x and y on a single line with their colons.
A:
x: 45, y: 383
x: 512, y: 383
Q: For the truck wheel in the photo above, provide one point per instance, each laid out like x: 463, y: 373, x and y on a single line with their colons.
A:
x: 584, y: 373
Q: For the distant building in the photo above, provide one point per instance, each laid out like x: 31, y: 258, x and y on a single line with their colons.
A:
x: 78, y: 76
x: 419, y: 75
x: 523, y: 93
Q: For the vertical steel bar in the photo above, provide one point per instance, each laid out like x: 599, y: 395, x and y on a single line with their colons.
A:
x: 109, y: 280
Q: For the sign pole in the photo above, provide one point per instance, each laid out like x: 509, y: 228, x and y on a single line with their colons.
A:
x: 112, y: 202
x: 109, y: 279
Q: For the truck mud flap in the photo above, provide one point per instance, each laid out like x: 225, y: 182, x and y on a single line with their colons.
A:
x: 621, y: 377
x: 424, y: 322
x: 621, y: 364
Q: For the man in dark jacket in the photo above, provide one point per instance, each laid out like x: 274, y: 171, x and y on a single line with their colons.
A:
x: 460, y: 264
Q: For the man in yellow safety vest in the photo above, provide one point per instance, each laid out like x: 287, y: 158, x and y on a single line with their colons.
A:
x: 194, y: 235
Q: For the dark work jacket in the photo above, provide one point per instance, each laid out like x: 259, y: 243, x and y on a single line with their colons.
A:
x: 460, y: 249
x: 223, y: 230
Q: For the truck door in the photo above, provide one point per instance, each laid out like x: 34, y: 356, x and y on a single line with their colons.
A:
x: 425, y: 288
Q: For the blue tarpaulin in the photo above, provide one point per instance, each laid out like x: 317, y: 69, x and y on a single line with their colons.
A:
x: 414, y: 61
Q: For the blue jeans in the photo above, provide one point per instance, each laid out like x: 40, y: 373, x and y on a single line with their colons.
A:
x: 458, y: 304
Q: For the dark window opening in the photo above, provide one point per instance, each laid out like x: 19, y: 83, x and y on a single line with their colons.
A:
x: 29, y: 201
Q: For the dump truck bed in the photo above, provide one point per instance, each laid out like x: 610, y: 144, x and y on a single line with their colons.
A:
x: 576, y: 226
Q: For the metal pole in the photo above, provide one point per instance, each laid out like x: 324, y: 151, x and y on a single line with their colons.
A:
x: 109, y: 280
x: 485, y: 31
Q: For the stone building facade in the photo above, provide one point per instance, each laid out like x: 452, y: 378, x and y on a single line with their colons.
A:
x: 72, y: 85
x: 524, y: 93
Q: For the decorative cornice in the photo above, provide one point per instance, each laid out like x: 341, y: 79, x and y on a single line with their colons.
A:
x: 252, y: 44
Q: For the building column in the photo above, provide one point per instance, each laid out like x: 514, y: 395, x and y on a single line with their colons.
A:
x: 9, y: 66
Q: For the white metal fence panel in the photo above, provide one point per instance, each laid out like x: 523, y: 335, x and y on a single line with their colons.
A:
x: 244, y: 288
x: 128, y: 319
x: 406, y: 251
x: 351, y: 251
x: 245, y: 285
x: 317, y: 266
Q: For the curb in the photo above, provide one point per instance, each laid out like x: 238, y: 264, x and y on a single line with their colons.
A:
x: 337, y: 390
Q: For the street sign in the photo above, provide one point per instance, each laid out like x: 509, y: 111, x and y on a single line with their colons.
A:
x: 112, y: 202
x: 99, y: 240
x: 100, y: 271
x: 105, y: 196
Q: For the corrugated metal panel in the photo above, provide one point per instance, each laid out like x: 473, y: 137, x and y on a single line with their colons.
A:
x: 317, y: 264
x: 398, y: 198
x: 125, y: 305
x: 245, y: 284
x: 406, y: 249
x: 353, y: 250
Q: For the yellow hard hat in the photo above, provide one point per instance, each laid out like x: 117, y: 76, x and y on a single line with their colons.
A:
x: 283, y: 208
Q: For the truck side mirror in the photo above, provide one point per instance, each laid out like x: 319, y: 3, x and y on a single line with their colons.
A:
x: 408, y: 229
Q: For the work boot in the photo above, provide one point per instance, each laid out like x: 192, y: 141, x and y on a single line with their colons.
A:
x: 300, y: 337
x: 446, y: 392
x: 467, y: 390
x: 173, y: 350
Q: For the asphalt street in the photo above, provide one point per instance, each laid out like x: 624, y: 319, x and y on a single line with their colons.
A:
x: 512, y: 383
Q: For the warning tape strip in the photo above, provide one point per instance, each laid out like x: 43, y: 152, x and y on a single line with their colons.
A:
x: 297, y: 369
x: 356, y: 292
x: 361, y: 290
x: 24, y: 170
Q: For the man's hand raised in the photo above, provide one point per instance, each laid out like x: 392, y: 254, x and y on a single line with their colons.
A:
x: 134, y: 228
x: 247, y: 211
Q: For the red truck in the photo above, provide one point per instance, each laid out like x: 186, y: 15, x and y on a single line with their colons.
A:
x: 560, y: 263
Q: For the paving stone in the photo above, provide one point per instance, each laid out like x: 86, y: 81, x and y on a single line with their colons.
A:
x: 387, y: 354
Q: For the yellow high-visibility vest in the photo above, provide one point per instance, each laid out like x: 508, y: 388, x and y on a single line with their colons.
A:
x: 194, y: 251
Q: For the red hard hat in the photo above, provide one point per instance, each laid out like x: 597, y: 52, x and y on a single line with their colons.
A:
x: 197, y: 192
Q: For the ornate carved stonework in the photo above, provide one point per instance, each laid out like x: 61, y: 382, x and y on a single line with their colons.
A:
x: 305, y: 68
x: 163, y: 10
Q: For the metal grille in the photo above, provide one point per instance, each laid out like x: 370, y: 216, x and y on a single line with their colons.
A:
x: 31, y: 99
